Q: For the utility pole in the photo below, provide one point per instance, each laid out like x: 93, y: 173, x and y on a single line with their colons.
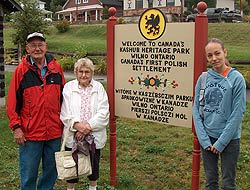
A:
x: 241, y: 7
x: 182, y: 9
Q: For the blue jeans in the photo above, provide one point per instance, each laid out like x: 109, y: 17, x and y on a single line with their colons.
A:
x: 229, y: 158
x: 30, y: 156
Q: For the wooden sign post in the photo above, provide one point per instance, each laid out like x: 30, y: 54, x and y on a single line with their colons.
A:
x: 152, y: 69
x: 201, y: 37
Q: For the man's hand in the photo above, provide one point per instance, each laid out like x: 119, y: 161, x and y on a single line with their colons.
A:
x: 19, y: 136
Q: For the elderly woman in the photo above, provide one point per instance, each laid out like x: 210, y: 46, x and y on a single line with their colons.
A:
x: 85, y: 110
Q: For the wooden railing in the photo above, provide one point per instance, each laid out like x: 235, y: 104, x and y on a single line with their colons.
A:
x: 12, y: 55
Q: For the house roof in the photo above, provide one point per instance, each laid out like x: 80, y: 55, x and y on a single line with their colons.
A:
x: 65, y: 4
x: 81, y: 8
x: 42, y: 2
x: 46, y: 11
x: 104, y: 2
x: 11, y: 5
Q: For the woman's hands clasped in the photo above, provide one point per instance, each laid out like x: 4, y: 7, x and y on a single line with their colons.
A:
x: 212, y: 149
x: 83, y: 128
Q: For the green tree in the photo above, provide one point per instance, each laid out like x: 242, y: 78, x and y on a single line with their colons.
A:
x: 245, y: 5
x: 47, y: 4
x: 105, y: 14
x: 30, y: 20
x: 246, y: 8
x: 55, y: 7
x: 51, y: 4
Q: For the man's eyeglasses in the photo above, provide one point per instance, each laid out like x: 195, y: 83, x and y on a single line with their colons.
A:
x: 34, y: 46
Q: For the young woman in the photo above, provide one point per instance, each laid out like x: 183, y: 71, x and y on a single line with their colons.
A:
x: 219, y: 131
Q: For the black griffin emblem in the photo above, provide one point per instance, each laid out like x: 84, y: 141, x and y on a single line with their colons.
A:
x: 152, y: 24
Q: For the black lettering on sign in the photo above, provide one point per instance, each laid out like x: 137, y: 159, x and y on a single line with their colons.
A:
x: 181, y: 50
x: 180, y: 116
x: 138, y: 115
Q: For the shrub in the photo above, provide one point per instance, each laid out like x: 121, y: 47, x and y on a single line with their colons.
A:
x: 121, y: 20
x: 62, y: 25
x: 246, y: 18
x: 7, y: 58
x: 101, y: 65
x: 80, y: 51
x: 247, y: 78
x: 67, y: 62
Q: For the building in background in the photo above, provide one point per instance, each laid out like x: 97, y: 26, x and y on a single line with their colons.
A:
x: 87, y: 10
x: 172, y: 8
x: 225, y: 4
x: 6, y: 6
x: 48, y: 14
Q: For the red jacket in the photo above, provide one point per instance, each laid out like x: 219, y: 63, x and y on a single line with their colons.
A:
x: 34, y: 104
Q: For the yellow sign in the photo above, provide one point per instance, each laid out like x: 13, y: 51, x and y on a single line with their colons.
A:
x: 152, y: 24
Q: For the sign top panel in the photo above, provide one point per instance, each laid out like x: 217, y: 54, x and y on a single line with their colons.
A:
x: 152, y: 24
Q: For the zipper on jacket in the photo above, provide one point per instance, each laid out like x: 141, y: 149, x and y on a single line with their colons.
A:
x: 30, y: 116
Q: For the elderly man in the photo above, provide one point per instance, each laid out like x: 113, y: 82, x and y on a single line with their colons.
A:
x: 33, y: 108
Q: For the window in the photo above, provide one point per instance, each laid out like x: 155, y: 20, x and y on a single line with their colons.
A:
x: 85, y: 1
x: 78, y: 1
x: 170, y: 3
x: 138, y: 4
x: 150, y: 3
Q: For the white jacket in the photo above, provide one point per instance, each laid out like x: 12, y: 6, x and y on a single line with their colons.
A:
x: 71, y: 106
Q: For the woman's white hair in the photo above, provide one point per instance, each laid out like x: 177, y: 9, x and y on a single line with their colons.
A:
x: 84, y: 62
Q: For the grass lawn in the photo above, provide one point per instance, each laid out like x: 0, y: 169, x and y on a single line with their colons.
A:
x: 78, y: 35
x: 150, y: 156
x: 235, y: 37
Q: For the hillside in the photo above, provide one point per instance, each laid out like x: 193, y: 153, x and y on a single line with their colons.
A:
x: 93, y: 38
